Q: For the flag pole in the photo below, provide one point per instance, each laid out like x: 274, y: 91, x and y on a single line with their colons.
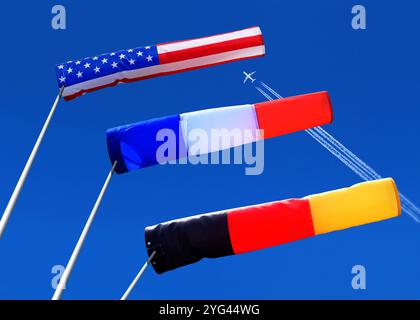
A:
x: 137, y: 278
x: 72, y: 261
x: 18, y: 188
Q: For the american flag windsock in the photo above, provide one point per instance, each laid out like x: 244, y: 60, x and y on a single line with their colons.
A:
x: 109, y: 69
x: 137, y: 145
x: 184, y: 241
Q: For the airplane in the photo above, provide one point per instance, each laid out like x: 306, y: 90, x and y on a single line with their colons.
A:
x: 248, y: 76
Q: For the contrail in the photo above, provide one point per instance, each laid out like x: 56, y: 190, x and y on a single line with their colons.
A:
x: 347, y: 157
x: 409, y: 203
x: 372, y: 174
x: 327, y: 145
x: 274, y: 93
x: 335, y: 143
x: 350, y: 154
x: 358, y: 164
x: 263, y: 93
x: 336, y: 153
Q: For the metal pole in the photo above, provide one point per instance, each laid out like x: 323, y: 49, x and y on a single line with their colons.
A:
x: 12, y: 202
x: 137, y: 278
x: 72, y: 261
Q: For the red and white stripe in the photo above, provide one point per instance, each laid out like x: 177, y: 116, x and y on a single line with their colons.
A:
x: 184, y: 55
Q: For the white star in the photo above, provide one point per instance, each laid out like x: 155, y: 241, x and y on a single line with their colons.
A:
x: 149, y: 58
x: 122, y: 56
x: 104, y: 60
x: 131, y: 61
x: 62, y: 79
x: 77, y: 62
x: 112, y: 54
x: 95, y: 58
x: 87, y: 65
x: 97, y: 69
x: 60, y: 67
x: 139, y: 54
x: 130, y: 50
x: 69, y: 70
x: 147, y: 47
x: 79, y: 74
x: 114, y: 64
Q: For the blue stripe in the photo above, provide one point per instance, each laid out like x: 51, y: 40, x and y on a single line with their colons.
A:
x: 78, y: 71
x: 134, y: 146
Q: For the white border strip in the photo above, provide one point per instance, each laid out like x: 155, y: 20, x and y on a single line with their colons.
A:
x: 181, y: 45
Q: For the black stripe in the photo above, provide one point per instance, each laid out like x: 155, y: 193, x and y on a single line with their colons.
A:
x: 185, y: 241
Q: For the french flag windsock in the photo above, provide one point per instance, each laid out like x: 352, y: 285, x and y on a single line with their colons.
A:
x: 139, y: 145
x: 108, y: 69
x: 181, y: 242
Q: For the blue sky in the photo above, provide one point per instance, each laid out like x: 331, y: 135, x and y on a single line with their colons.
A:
x: 372, y: 77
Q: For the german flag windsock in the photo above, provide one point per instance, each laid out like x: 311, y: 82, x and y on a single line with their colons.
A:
x: 184, y: 241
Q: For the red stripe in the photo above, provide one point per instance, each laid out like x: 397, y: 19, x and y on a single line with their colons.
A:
x: 210, y: 49
x: 114, y: 83
x: 270, y: 224
x: 215, y: 35
x: 293, y: 114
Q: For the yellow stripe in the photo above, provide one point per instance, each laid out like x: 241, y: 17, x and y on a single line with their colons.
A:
x: 357, y: 205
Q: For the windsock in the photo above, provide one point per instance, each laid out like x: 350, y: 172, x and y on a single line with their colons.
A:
x: 138, y: 145
x: 123, y: 66
x: 181, y: 242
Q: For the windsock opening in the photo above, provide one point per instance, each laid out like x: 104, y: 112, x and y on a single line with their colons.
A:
x: 397, y: 196
x: 188, y: 240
